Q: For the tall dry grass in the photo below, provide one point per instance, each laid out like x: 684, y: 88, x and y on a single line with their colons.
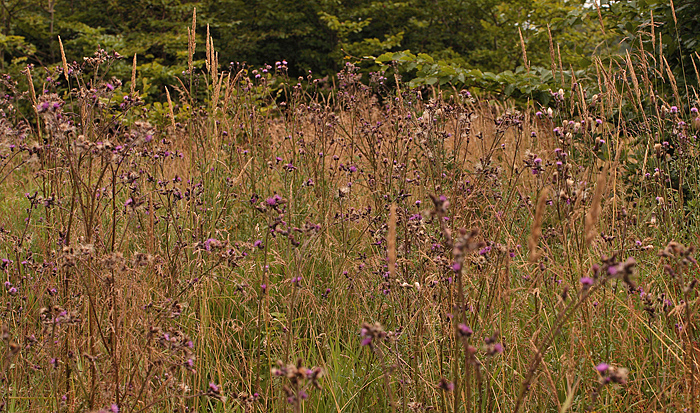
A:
x: 278, y: 246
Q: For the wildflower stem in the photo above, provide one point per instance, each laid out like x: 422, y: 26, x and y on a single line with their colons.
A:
x: 561, y: 320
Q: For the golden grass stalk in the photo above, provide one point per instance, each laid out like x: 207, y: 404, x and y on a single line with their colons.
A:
x: 522, y: 46
x: 672, y: 80
x: 673, y: 11
x: 561, y: 67
x: 536, y: 231
x: 661, y: 51
x: 217, y: 91
x: 573, y: 93
x: 697, y: 75
x: 582, y: 99
x: 190, y: 53
x: 230, y: 87
x: 32, y: 92
x: 398, y: 89
x: 194, y: 20
x: 552, y: 60
x: 170, y: 107
x: 214, y: 62
x: 192, y: 41
x: 600, y: 17
x: 133, y: 76
x: 653, y: 31
x: 594, y: 213
x: 208, y: 50
x: 645, y: 66
x: 598, y: 70
x: 63, y: 58
x: 635, y: 82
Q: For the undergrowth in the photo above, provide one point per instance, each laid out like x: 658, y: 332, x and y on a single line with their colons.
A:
x: 257, y: 247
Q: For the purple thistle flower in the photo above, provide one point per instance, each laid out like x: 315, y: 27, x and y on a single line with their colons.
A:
x: 273, y: 201
x: 465, y: 330
x: 209, y: 242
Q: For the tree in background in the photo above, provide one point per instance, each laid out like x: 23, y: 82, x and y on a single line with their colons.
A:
x: 259, y: 32
x: 320, y: 35
x: 15, y: 18
x: 676, y: 28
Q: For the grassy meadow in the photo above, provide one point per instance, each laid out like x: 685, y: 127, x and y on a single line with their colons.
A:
x: 264, y: 243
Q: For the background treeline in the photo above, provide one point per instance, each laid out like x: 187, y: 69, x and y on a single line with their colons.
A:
x: 321, y: 35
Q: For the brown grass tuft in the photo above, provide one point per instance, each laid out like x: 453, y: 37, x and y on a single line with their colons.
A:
x: 594, y: 213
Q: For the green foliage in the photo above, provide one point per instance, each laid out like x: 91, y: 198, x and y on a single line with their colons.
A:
x: 259, y: 32
x: 366, y: 46
x: 536, y: 83
x: 15, y: 48
x: 437, y: 42
x: 676, y: 31
x: 314, y: 35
